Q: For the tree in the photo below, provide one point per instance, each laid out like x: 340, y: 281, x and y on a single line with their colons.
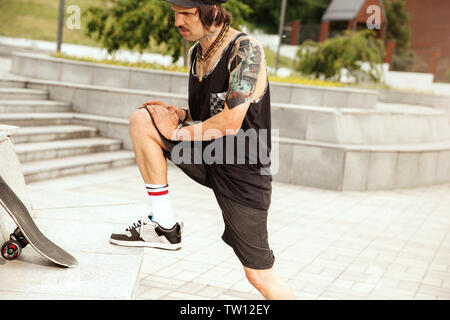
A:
x: 132, y: 23
x: 399, y: 30
x: 327, y: 59
x: 266, y: 14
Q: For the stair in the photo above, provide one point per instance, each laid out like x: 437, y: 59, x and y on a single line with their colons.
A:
x: 10, y: 83
x: 36, y: 119
x: 26, y: 106
x: 60, y: 149
x: 50, y: 143
x: 22, y: 94
x: 52, y: 133
x: 49, y: 169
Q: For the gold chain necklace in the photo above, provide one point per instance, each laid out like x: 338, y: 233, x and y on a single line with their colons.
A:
x: 213, y: 48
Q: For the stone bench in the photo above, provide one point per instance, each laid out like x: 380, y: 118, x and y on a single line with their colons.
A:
x: 361, y: 167
x: 11, y: 172
x: 388, y: 124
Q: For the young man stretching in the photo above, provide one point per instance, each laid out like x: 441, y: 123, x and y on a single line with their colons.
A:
x: 229, y: 96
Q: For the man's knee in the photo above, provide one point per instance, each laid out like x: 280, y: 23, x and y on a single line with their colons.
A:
x: 141, y: 127
x: 140, y: 123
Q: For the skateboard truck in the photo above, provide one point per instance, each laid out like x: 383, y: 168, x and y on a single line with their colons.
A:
x: 11, y: 249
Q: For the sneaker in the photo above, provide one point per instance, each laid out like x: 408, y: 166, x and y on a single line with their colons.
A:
x: 179, y: 221
x: 147, y: 233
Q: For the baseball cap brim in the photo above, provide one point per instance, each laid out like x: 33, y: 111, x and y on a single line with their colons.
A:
x: 187, y: 3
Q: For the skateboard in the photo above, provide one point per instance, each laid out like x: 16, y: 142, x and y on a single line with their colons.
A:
x: 27, y: 232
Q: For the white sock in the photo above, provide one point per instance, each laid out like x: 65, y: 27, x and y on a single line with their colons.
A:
x: 162, y: 209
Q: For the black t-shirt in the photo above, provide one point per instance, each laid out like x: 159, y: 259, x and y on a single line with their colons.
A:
x: 242, y: 176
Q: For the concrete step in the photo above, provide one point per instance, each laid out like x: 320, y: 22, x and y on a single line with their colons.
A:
x: 22, y: 106
x: 113, y: 127
x: 22, y: 94
x: 48, y: 169
x: 66, y: 148
x: 360, y: 167
x: 103, y: 100
x: 36, y: 119
x: 11, y: 83
x: 415, y: 98
x: 387, y: 124
x: 52, y: 133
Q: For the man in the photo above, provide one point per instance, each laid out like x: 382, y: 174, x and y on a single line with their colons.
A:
x: 228, y: 96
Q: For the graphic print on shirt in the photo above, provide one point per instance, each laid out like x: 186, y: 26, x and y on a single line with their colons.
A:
x: 216, y: 102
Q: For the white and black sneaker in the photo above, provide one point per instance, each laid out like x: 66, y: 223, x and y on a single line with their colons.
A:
x: 147, y: 233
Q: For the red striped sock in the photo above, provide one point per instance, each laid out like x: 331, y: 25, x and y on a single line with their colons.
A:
x: 162, y: 212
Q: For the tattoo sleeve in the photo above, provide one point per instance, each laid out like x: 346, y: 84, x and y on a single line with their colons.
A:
x: 245, y: 71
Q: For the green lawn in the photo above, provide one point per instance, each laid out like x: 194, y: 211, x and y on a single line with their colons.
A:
x: 38, y: 19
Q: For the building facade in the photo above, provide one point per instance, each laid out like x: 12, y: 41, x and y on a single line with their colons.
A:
x: 430, y: 28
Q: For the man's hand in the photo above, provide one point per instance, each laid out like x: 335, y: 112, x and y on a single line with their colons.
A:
x: 154, y: 102
x: 180, y: 112
x: 165, y: 120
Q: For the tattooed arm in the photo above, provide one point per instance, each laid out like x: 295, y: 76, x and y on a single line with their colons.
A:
x: 248, y: 78
x: 248, y: 82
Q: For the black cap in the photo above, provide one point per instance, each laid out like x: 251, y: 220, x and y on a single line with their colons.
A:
x: 195, y: 3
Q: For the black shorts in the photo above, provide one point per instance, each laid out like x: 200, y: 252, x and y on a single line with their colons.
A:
x: 245, y: 227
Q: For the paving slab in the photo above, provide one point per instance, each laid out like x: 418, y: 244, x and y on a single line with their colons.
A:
x: 327, y: 244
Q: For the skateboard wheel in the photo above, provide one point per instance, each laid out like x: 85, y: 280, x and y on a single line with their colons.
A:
x: 11, y: 250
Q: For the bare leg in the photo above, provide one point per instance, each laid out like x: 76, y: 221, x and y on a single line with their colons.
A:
x: 270, y: 285
x: 148, y: 148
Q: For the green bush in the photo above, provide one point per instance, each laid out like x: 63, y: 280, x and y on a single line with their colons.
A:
x: 327, y: 59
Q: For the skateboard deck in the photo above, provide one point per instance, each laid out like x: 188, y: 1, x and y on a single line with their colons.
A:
x: 27, y: 232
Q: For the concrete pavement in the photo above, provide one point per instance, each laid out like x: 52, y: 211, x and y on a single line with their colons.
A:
x: 328, y: 245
